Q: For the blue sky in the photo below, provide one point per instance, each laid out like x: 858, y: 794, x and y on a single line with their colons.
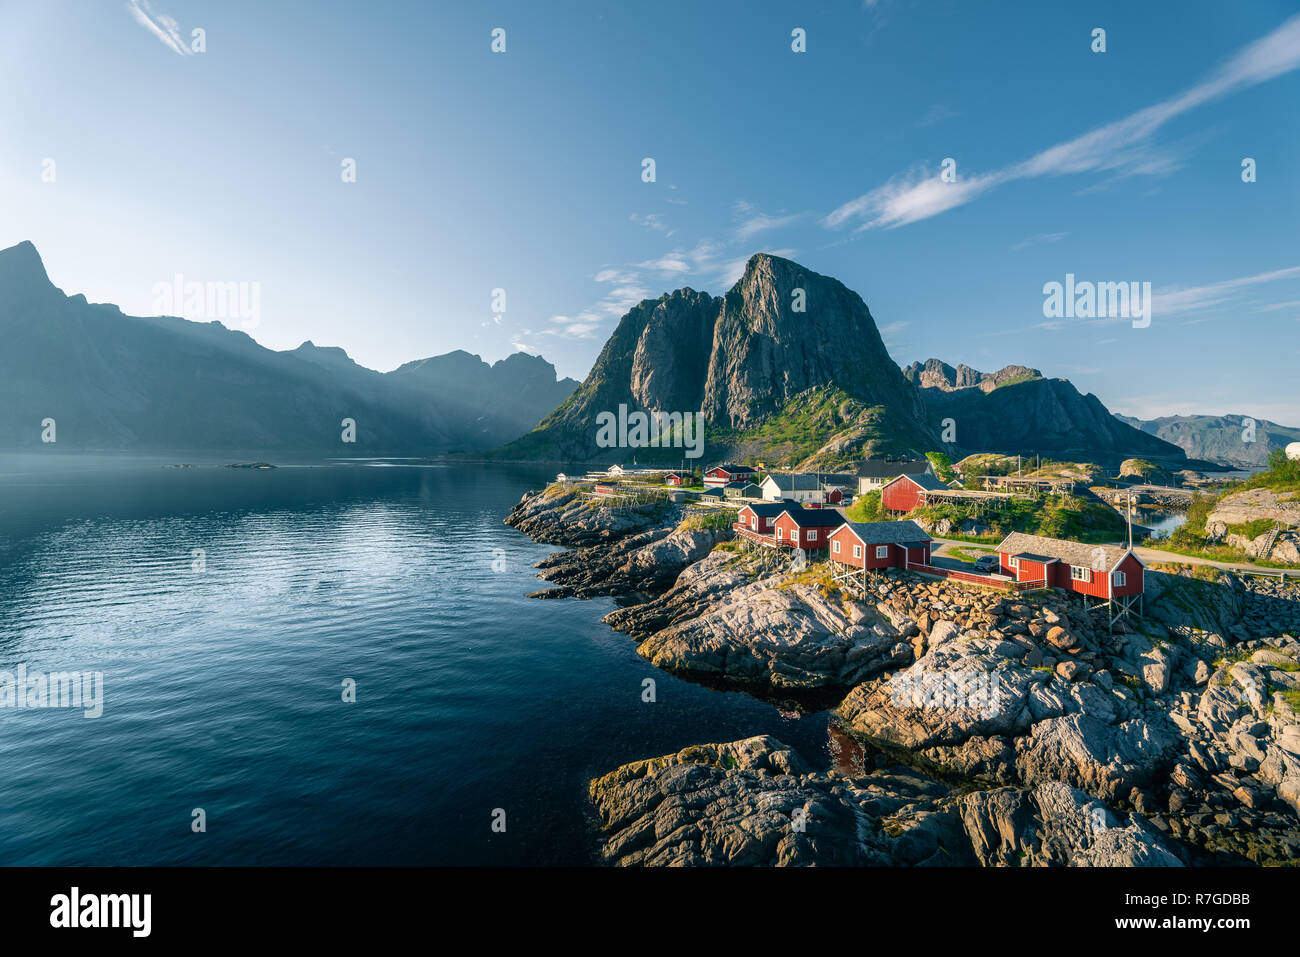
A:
x: 522, y: 171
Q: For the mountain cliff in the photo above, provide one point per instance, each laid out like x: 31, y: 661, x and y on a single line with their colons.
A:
x: 1018, y: 410
x: 787, y: 368
x: 1225, y: 439
x: 117, y: 382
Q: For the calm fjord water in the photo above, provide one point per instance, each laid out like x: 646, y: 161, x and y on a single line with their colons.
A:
x: 222, y: 686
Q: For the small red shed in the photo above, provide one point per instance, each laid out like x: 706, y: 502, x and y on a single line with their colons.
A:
x: 906, y: 492
x: 758, y: 517
x: 725, y: 474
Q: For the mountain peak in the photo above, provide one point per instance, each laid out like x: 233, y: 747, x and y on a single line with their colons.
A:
x: 22, y: 272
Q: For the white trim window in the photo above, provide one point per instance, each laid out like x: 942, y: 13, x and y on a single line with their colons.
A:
x: 835, y: 546
x: 1080, y: 573
x: 857, y: 551
x: 753, y: 522
x: 1120, y: 579
x: 1013, y: 562
x: 780, y: 534
x: 882, y: 551
x: 812, y: 534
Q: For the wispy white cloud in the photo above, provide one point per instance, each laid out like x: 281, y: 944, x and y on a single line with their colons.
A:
x: 1039, y: 239
x: 166, y: 29
x: 1169, y: 301
x: 1173, y: 300
x: 671, y: 263
x: 753, y: 221
x: 1123, y: 146
x: 651, y: 221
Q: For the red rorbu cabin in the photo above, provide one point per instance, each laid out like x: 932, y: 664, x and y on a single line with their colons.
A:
x: 871, y: 545
x: 758, y: 517
x: 806, y: 528
x: 906, y: 492
x: 1107, y: 572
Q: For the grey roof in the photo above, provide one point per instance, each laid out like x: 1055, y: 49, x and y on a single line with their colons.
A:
x: 766, y: 509
x: 1075, y: 553
x: 794, y: 482
x: 1041, y: 559
x: 803, y: 481
x: 927, y: 481
x: 814, y: 517
x: 879, y: 468
x: 729, y: 467
x: 889, y: 533
x: 842, y: 479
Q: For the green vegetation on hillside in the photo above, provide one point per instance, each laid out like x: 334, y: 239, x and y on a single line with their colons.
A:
x: 942, y: 466
x: 1283, y: 474
x: 805, y: 425
x: 1075, y: 518
x: 866, y: 509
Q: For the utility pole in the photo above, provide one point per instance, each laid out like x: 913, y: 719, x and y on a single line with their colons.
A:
x: 1130, y: 522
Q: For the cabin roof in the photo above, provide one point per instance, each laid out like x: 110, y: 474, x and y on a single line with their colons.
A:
x: 880, y: 468
x: 729, y: 467
x: 1075, y: 553
x: 1041, y: 559
x: 925, y: 480
x: 888, y: 533
x: 814, y: 517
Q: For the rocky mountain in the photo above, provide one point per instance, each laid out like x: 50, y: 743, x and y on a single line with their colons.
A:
x: 1018, y: 410
x: 786, y: 367
x: 112, y: 381
x: 1226, y: 439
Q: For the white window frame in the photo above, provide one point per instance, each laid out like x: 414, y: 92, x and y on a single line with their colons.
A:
x: 835, y: 546
x: 1013, y: 562
x: 1120, y: 579
x: 753, y: 522
x: 1080, y: 573
x: 812, y: 534
x: 882, y: 551
x: 780, y: 534
x: 857, y: 551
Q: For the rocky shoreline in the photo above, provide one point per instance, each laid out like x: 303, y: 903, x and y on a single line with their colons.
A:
x: 994, y: 729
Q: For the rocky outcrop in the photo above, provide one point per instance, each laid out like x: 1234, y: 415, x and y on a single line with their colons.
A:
x: 1253, y: 505
x: 780, y: 632
x: 569, y: 516
x: 1175, y: 734
x: 756, y: 802
x: 630, y: 551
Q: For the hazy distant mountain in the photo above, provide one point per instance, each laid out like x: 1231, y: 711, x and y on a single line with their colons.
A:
x: 776, y: 383
x: 1017, y: 410
x: 112, y: 381
x: 499, y: 401
x: 1226, y: 439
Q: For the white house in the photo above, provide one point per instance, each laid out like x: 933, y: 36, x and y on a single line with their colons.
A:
x: 875, y: 473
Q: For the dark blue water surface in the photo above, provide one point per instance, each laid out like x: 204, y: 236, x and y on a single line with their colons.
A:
x: 223, y: 686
